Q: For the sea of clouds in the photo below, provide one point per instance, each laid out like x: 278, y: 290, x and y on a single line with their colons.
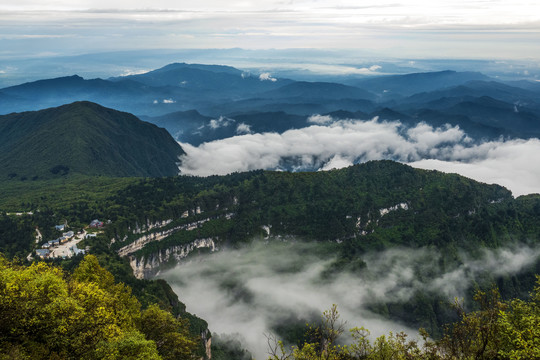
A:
x: 327, y: 143
x: 247, y: 291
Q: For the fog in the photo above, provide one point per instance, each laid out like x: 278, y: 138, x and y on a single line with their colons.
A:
x: 250, y: 290
x: 331, y: 144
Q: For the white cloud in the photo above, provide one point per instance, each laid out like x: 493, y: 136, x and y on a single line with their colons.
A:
x: 168, y: 101
x: 413, y: 28
x: 507, y: 163
x: 320, y: 119
x: 336, y: 162
x: 267, y: 77
x: 341, y: 143
x: 129, y: 72
x: 221, y: 122
x: 243, y: 129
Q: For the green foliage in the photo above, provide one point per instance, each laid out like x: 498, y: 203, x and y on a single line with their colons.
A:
x: 49, y: 314
x: 83, y: 138
x: 499, y: 330
x: 520, y: 328
x: 170, y: 335
x: 16, y: 235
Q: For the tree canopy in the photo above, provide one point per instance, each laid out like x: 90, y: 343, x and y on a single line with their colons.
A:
x: 50, y: 314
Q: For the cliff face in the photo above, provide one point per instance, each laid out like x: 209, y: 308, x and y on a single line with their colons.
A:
x: 149, y: 266
x: 206, y: 337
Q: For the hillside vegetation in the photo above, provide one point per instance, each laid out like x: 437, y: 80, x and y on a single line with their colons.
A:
x: 82, y: 315
x: 83, y: 138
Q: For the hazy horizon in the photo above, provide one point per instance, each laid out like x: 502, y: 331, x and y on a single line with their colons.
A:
x: 476, y: 29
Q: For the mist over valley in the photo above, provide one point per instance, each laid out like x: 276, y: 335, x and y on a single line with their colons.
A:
x: 277, y: 286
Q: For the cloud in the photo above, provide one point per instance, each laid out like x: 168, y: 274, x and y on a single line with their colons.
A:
x: 129, y: 72
x: 252, y: 289
x: 267, y: 77
x: 221, y: 122
x: 168, y: 101
x: 336, y: 162
x: 336, y: 143
x: 415, y: 28
x: 320, y: 119
x: 243, y: 129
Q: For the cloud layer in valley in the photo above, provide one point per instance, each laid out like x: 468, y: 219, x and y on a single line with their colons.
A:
x: 331, y: 144
x: 247, y: 291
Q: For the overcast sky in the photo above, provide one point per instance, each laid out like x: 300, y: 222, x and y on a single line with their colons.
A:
x: 406, y: 28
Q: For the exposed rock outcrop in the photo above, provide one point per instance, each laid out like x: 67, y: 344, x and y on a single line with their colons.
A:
x: 149, y: 266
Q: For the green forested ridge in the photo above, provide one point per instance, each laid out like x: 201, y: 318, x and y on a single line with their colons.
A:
x: 441, y: 209
x: 83, y: 138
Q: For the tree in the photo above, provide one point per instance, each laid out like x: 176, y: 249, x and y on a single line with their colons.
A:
x: 171, y: 335
x: 47, y: 314
x: 520, y: 328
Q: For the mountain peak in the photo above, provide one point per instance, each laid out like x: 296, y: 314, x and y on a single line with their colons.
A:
x: 85, y: 138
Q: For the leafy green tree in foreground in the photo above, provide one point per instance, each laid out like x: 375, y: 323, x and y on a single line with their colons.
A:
x: 48, y: 314
x: 499, y: 330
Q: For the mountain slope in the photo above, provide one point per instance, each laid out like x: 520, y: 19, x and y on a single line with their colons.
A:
x: 210, y: 78
x: 492, y: 89
x: 84, y: 138
x: 318, y: 90
x: 406, y: 85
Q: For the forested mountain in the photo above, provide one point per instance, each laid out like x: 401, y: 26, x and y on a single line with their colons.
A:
x: 83, y: 138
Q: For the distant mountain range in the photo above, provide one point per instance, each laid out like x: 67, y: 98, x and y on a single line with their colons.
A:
x: 83, y: 138
x: 190, y: 99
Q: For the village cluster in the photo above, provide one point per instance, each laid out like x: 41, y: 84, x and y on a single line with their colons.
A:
x: 65, y: 246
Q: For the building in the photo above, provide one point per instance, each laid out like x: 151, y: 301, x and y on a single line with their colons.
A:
x: 61, y: 227
x: 76, y: 250
x: 96, y: 224
x: 42, y: 253
x: 68, y: 234
x: 54, y: 242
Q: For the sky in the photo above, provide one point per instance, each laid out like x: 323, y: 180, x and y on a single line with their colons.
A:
x: 398, y: 28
